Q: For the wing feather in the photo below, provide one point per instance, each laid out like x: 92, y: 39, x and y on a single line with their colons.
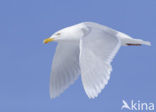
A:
x: 97, y: 50
x: 65, y: 67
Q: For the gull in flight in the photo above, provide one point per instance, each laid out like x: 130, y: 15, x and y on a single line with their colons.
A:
x: 88, y: 49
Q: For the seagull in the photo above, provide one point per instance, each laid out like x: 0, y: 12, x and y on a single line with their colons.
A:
x: 87, y: 48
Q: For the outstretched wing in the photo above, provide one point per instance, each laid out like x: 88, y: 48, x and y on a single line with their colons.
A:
x: 97, y: 50
x: 65, y: 67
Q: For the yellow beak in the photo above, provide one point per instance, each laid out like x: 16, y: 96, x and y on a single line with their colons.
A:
x: 48, y: 40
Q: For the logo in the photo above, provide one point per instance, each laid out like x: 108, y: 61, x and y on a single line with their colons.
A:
x: 137, y: 105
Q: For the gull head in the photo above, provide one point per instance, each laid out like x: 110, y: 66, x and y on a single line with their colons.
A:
x: 73, y: 33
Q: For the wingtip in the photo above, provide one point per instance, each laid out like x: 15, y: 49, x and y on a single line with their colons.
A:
x: 52, y: 97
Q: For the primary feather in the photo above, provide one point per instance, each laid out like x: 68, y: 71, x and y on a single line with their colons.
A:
x: 65, y: 68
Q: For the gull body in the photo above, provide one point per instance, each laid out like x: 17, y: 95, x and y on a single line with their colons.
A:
x: 88, y: 49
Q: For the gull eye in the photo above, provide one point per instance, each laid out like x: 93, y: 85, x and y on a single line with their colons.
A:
x: 58, y: 34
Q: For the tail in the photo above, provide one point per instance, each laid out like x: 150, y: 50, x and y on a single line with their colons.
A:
x: 128, y: 41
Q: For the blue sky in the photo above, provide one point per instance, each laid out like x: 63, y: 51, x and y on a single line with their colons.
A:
x: 25, y: 61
